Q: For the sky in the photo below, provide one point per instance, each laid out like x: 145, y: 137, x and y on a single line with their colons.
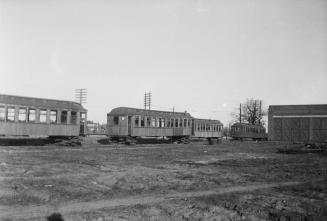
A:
x: 200, y: 56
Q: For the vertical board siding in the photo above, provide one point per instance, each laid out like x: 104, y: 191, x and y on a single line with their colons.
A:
x: 29, y: 129
x: 298, y: 123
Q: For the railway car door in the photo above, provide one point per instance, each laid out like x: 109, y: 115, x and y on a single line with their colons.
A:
x: 129, y: 127
x: 82, y: 124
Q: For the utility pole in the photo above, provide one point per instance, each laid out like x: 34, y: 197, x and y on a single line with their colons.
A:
x: 147, y: 100
x: 260, y: 108
x: 80, y: 95
x: 240, y: 113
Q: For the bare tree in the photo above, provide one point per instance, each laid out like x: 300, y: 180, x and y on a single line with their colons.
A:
x: 250, y: 112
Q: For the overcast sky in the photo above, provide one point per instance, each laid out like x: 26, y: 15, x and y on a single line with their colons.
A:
x: 201, y: 56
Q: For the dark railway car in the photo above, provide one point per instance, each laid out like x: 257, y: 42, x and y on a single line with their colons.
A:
x: 240, y: 131
x: 125, y: 123
x: 37, y: 117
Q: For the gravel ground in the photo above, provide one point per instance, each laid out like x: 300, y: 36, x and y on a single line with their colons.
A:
x: 227, y: 181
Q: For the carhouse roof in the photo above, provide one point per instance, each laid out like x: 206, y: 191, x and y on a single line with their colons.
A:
x: 127, y: 111
x: 40, y: 102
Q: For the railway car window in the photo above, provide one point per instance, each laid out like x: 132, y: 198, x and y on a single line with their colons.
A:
x: 142, y: 122
x: 73, y: 117
x: 31, y: 115
x: 148, y: 122
x: 22, y: 114
x: 82, y: 118
x: 11, y: 114
x: 43, y: 116
x: 180, y: 122
x: 63, y: 118
x: 185, y: 122
x: 53, y: 116
x: 162, y: 122
x: 153, y: 120
x: 2, y: 113
x: 136, y: 121
x: 116, y: 120
x: 171, y: 122
x: 198, y: 127
x: 189, y: 123
x: 176, y: 122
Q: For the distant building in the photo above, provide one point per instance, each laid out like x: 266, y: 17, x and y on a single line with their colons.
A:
x: 95, y: 128
x: 297, y: 123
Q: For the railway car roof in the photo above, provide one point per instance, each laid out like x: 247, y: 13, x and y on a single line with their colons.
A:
x: 208, y: 121
x: 125, y: 111
x: 40, y: 102
x: 246, y: 124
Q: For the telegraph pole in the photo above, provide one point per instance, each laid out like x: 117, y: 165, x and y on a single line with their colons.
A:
x: 80, y: 95
x: 260, y: 108
x: 240, y: 113
x: 147, y: 100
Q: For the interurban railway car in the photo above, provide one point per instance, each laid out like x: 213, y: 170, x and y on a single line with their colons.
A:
x: 126, y: 123
x: 37, y: 117
x: 241, y: 131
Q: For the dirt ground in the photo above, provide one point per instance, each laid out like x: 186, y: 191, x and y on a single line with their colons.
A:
x: 227, y: 181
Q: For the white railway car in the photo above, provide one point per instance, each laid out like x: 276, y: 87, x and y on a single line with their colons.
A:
x: 32, y: 117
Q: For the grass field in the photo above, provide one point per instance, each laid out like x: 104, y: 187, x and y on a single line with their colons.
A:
x: 227, y: 181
